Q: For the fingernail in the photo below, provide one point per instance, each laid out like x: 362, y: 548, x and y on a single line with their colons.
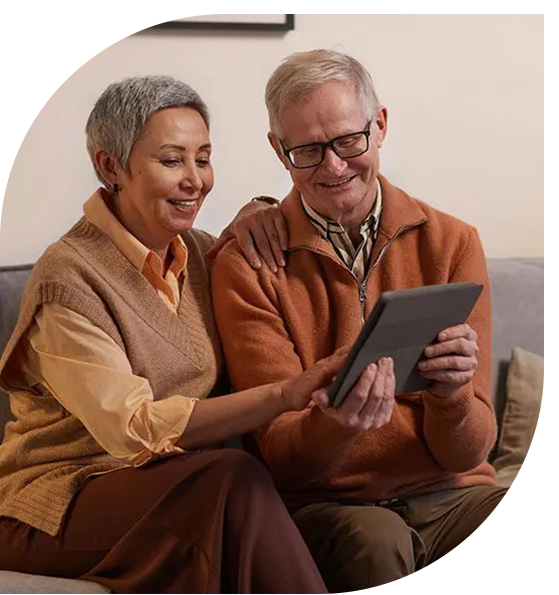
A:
x: 281, y: 262
x: 274, y: 268
x: 256, y: 264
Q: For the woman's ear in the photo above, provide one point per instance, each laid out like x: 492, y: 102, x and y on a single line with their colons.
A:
x: 107, y: 166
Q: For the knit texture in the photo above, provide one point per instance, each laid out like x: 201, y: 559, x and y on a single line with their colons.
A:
x: 47, y: 453
x: 273, y: 326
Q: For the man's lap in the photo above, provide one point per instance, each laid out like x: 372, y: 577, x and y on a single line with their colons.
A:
x: 396, y: 539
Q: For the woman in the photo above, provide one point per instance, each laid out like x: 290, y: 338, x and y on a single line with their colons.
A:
x: 105, y: 474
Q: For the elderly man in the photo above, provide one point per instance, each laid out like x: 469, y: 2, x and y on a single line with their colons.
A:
x: 380, y: 486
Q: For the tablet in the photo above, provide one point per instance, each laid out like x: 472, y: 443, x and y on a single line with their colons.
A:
x: 401, y: 325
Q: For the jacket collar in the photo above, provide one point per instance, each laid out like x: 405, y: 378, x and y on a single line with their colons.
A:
x: 399, y: 211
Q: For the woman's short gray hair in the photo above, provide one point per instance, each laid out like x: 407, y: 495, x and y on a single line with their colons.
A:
x: 303, y: 72
x: 124, y: 107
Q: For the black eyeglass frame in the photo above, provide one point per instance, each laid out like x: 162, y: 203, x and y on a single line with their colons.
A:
x: 330, y: 144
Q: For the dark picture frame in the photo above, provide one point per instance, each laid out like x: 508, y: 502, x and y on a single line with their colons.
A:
x: 198, y: 23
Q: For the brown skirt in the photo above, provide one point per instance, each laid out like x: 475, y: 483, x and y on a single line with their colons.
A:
x: 208, y: 522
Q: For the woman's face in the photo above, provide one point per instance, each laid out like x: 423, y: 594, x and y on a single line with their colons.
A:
x: 168, y: 178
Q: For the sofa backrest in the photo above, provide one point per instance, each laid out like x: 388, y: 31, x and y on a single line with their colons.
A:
x: 518, y: 318
x: 517, y: 286
x: 12, y: 282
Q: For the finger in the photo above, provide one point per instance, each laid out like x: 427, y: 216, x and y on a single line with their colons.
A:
x: 263, y: 246
x: 281, y: 227
x: 274, y: 240
x: 454, y: 362
x: 343, y: 350
x: 390, y: 384
x: 384, y: 413
x: 246, y: 244
x: 451, y: 377
x: 460, y: 346
x: 376, y: 393
x: 357, y: 398
x: 454, y: 332
x: 321, y: 399
x: 322, y: 372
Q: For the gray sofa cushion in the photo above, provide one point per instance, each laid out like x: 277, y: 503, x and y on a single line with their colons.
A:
x: 14, y: 582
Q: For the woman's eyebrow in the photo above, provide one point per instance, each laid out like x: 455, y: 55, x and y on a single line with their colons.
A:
x: 181, y: 148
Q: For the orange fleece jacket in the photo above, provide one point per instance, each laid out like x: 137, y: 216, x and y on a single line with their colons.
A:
x: 273, y: 326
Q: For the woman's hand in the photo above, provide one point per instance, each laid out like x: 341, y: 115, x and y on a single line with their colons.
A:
x: 298, y: 391
x: 261, y: 231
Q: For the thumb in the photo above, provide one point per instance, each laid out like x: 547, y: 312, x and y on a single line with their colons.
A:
x: 321, y: 399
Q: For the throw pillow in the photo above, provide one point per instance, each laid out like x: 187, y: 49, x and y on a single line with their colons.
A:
x: 522, y: 408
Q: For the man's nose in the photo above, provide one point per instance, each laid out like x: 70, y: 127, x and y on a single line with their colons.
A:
x: 332, y: 162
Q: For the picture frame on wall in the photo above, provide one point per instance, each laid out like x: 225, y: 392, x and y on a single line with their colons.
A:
x: 233, y: 22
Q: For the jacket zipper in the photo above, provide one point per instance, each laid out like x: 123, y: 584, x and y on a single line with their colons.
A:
x: 363, y: 299
x: 363, y: 285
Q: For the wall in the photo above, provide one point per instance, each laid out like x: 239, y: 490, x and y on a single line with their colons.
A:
x: 465, y: 101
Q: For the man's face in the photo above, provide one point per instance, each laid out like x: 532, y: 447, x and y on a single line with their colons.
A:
x: 341, y: 189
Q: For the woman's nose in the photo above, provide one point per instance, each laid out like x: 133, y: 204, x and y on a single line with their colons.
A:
x: 191, y: 179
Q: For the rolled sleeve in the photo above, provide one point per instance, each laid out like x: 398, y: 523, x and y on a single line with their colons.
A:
x: 90, y: 376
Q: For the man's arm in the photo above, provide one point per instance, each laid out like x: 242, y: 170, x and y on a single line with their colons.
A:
x: 460, y: 428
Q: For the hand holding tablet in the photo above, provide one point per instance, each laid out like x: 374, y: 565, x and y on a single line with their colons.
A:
x: 402, y: 324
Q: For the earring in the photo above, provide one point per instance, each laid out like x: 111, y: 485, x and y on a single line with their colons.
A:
x: 115, y: 188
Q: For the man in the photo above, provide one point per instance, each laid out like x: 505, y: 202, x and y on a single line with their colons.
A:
x: 380, y: 486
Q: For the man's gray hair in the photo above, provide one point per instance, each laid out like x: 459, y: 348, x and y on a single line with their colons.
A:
x: 121, y: 112
x: 303, y: 72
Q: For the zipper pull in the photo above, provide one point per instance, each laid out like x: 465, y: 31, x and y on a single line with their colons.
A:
x: 362, y: 299
x: 362, y: 295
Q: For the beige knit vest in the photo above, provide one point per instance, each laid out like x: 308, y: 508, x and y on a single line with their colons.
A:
x: 47, y: 453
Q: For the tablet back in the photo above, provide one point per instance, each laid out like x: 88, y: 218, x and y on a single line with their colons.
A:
x: 400, y: 326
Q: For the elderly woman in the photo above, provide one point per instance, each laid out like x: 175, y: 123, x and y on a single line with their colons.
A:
x: 107, y: 472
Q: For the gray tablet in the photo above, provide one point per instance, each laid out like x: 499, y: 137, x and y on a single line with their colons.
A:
x: 400, y: 326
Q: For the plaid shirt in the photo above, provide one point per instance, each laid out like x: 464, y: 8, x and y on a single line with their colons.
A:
x: 356, y: 258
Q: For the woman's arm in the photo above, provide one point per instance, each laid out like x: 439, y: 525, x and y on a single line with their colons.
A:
x: 215, y: 420
x: 89, y: 374
x: 261, y: 232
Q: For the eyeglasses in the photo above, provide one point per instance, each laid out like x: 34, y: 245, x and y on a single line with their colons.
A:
x: 345, y: 147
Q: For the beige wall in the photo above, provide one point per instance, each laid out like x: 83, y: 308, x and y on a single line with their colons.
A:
x: 465, y: 101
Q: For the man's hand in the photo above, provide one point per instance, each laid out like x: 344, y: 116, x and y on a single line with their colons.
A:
x: 451, y: 362
x: 261, y: 231
x: 370, y: 403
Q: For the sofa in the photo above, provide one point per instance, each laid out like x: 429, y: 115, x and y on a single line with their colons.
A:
x: 518, y: 343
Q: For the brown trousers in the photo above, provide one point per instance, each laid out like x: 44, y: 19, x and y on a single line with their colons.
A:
x: 359, y: 547
x: 206, y: 522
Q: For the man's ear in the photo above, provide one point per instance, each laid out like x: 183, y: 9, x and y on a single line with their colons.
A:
x: 107, y: 166
x: 276, y: 145
x: 381, y: 122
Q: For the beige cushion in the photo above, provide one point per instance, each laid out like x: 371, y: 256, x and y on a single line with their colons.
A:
x: 524, y: 395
